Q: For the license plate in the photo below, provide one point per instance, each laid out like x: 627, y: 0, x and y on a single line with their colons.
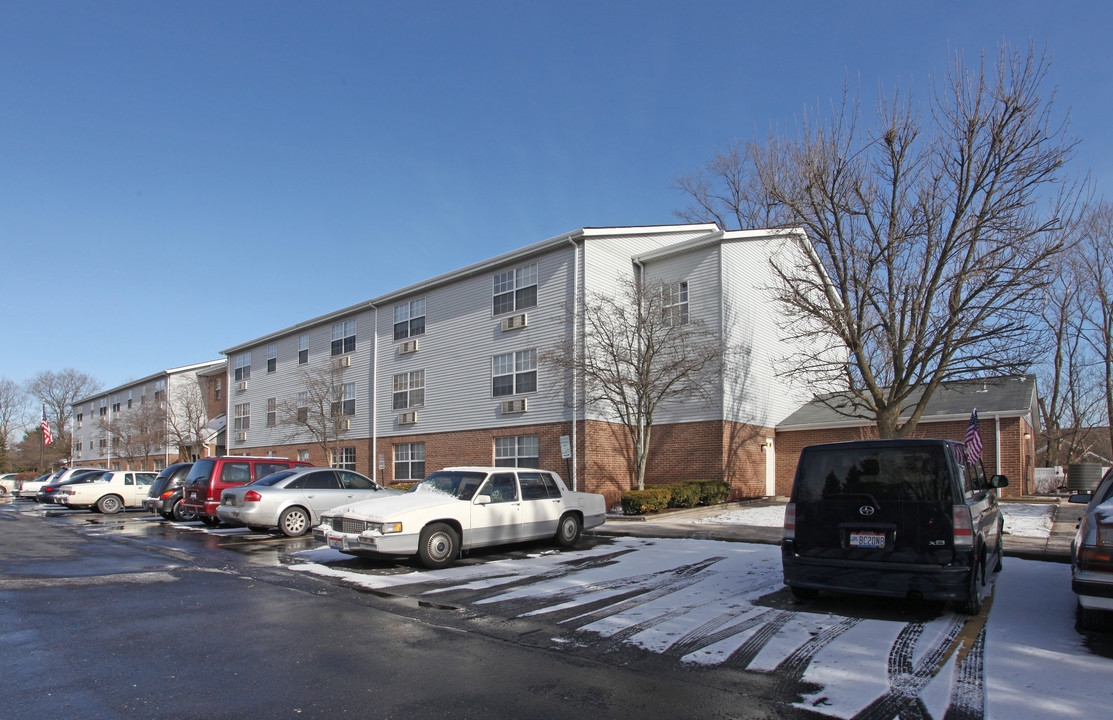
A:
x: 867, y: 540
x: 335, y: 542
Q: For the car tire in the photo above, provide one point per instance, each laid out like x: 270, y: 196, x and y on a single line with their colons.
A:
x: 166, y: 515
x: 973, y: 603
x: 1091, y: 619
x: 801, y: 593
x: 438, y: 547
x: 109, y: 505
x: 180, y: 514
x: 568, y: 530
x: 294, y: 521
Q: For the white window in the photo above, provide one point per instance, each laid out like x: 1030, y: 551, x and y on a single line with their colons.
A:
x: 243, y: 366
x: 409, y: 319
x: 79, y: 416
x: 303, y: 406
x: 514, y: 373
x: 409, y: 390
x: 344, y: 458
x: 675, y: 303
x: 344, y: 399
x: 303, y: 455
x: 517, y: 451
x: 218, y: 386
x: 272, y: 357
x: 303, y: 348
x: 241, y: 415
x: 409, y: 461
x: 272, y: 412
x: 129, y: 399
x: 344, y: 337
x: 516, y: 289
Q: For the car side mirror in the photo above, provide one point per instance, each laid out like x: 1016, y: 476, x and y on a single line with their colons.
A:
x: 998, y: 481
x: 1081, y: 498
x: 483, y: 500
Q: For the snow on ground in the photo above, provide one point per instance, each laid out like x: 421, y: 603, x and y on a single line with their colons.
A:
x: 1021, y: 519
x: 1028, y: 519
x: 721, y: 604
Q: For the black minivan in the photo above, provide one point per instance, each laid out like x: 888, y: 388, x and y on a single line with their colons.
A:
x: 896, y: 518
x: 165, y: 495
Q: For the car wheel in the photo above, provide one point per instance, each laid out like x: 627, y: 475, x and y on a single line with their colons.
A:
x: 803, y: 593
x: 109, y: 505
x: 209, y: 520
x: 973, y: 604
x: 294, y: 521
x: 438, y: 547
x: 568, y: 530
x: 1091, y: 619
x: 180, y: 513
x: 166, y: 515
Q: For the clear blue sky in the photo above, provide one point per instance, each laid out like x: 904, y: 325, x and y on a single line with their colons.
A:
x: 180, y: 177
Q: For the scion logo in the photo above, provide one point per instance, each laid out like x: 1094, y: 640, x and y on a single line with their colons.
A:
x: 866, y: 510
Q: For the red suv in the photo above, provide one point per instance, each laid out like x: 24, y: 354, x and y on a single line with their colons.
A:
x: 211, y: 476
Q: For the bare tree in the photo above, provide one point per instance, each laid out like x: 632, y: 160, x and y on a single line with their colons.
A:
x: 13, y: 411
x: 137, y: 434
x: 187, y: 416
x: 936, y: 233
x: 58, y: 391
x: 1097, y: 307
x: 320, y: 410
x: 636, y: 353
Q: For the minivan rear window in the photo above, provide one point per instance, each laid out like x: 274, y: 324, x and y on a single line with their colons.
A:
x: 201, y: 471
x: 893, y: 474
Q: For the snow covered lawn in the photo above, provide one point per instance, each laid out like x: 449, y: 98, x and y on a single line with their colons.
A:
x: 720, y: 604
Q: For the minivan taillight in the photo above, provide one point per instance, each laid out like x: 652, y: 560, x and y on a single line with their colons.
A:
x: 252, y: 496
x: 790, y: 522
x: 964, y: 527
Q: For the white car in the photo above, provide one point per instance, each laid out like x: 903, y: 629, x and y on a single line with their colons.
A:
x: 111, y: 492
x: 460, y: 508
x: 7, y: 483
x: 31, y: 488
x: 1092, y: 557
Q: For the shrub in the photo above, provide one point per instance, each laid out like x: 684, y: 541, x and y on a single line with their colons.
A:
x: 650, y: 500
x: 402, y: 485
x: 712, y: 492
x: 685, y: 495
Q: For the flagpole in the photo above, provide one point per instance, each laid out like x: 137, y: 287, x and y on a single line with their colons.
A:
x: 42, y: 442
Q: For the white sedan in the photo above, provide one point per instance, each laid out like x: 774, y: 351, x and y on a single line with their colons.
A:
x: 460, y: 508
x: 111, y: 492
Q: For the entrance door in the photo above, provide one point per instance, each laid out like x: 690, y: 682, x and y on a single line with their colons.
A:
x: 770, y: 468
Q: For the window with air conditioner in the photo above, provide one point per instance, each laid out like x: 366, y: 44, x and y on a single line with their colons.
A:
x: 515, y: 289
x: 343, y: 337
x: 409, y: 390
x: 242, y: 367
x: 409, y: 319
x: 514, y: 373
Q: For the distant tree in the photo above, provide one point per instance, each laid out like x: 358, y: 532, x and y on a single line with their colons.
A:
x: 637, y: 353
x: 186, y: 418
x: 319, y: 410
x: 13, y: 411
x: 939, y: 230
x: 138, y: 434
x: 1096, y: 274
x: 58, y: 391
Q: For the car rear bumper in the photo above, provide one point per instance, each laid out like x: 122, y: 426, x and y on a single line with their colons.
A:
x: 1094, y: 589
x: 900, y: 580
x: 247, y: 514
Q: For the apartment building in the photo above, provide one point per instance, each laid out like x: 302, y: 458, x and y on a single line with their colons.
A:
x: 448, y: 371
x: 150, y: 423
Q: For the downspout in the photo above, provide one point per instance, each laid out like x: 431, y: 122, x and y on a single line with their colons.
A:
x: 373, y: 400
x: 997, y: 440
x: 575, y: 352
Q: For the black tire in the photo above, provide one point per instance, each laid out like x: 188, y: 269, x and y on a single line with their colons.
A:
x: 973, y: 604
x: 295, y: 521
x: 801, y: 593
x: 166, y: 515
x: 209, y: 520
x: 110, y: 505
x: 568, y: 530
x: 180, y: 513
x: 439, y: 546
x: 1091, y: 619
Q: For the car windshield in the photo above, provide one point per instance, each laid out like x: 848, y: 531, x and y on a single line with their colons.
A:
x: 201, y: 471
x: 459, y: 484
x: 274, y: 479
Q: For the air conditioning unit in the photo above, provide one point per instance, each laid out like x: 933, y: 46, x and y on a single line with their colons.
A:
x: 409, y: 418
x: 514, y: 322
x: 342, y: 362
x: 513, y: 406
x: 241, y: 437
x: 408, y: 347
x: 242, y: 386
x: 344, y: 424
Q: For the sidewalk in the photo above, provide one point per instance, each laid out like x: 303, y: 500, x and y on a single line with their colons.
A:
x: 682, y: 524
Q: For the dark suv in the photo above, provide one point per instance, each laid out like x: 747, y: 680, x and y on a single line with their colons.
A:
x: 165, y: 495
x: 895, y: 518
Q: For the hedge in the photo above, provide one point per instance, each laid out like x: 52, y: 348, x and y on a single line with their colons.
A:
x: 650, y: 500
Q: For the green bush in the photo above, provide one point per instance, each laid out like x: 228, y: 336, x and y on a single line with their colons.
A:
x: 685, y: 495
x: 712, y: 492
x: 641, y: 502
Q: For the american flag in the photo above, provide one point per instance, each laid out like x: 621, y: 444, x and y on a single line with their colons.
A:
x: 47, y: 436
x: 973, y: 439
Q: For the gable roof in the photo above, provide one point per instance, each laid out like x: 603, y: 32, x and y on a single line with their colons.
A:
x: 1009, y: 396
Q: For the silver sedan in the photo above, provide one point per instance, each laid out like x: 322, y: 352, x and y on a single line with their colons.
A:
x: 294, y: 499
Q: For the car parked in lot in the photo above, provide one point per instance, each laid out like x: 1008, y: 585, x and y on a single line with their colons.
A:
x: 165, y: 495
x: 895, y: 518
x: 1092, y: 556
x: 209, y: 477
x: 110, y: 492
x: 52, y: 492
x: 460, y: 508
x: 31, y: 489
x: 7, y: 483
x: 294, y: 499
